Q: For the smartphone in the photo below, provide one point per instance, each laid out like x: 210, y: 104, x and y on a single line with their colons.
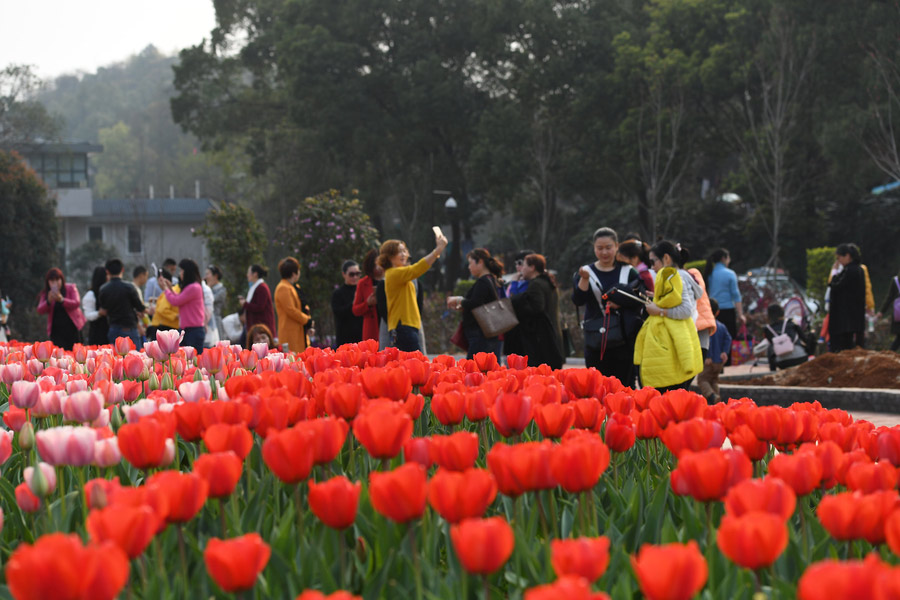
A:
x: 54, y: 287
x: 437, y: 231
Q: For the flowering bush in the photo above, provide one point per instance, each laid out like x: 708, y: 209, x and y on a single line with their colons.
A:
x: 386, y: 475
x: 322, y: 232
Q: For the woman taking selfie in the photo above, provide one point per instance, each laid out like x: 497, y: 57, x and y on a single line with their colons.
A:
x: 537, y: 335
x: 404, y: 320
x: 61, y: 303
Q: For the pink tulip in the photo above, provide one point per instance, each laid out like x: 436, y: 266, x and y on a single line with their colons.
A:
x: 42, y: 350
x: 76, y: 385
x: 49, y: 474
x: 169, y: 341
x: 113, y: 393
x: 139, y: 409
x: 154, y: 351
x: 168, y: 456
x: 80, y: 353
x: 49, y: 403
x: 102, y: 420
x: 123, y: 346
x: 10, y: 373
x: 106, y: 452
x: 35, y: 367
x: 261, y: 349
x: 24, y: 394
x: 132, y: 365
x: 190, y: 353
x: 82, y: 407
x: 67, y: 445
x: 5, y: 446
x: 195, y: 391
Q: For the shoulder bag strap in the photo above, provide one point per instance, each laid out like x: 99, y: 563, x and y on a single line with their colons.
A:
x: 897, y: 283
x: 624, y: 272
x: 595, y: 285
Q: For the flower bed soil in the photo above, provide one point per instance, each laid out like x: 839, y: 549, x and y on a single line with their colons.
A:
x: 852, y: 368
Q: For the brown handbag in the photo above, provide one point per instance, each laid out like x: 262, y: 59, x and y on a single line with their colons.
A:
x: 497, y: 317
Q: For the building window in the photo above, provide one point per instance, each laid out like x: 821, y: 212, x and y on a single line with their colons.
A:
x: 95, y: 233
x: 60, y: 170
x: 134, y: 239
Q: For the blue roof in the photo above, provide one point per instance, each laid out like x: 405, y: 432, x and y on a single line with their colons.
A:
x: 152, y: 209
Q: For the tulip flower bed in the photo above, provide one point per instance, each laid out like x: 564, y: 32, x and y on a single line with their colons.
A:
x: 358, y: 473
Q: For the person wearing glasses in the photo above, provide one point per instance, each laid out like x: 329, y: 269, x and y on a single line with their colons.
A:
x: 347, y: 326
x: 520, y: 283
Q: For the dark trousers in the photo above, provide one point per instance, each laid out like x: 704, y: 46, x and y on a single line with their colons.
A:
x: 846, y: 340
x: 406, y: 338
x: 194, y: 336
x: 728, y: 317
x: 618, y: 362
x: 117, y: 331
x: 479, y: 343
x: 684, y: 385
x: 895, y: 345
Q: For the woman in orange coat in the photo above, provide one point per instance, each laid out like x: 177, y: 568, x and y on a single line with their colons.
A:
x: 291, y: 314
x: 364, y: 301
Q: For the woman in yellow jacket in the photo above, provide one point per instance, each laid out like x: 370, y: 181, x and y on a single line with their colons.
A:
x: 404, y: 320
x: 165, y: 316
x: 291, y: 316
x: 668, y: 346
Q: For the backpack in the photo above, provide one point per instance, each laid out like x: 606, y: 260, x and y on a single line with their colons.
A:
x: 897, y: 302
x: 782, y: 343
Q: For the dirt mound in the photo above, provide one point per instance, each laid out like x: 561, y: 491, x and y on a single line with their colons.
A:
x: 850, y: 368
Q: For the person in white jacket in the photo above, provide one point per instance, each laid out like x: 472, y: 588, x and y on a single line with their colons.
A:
x: 212, y: 330
x: 97, y: 323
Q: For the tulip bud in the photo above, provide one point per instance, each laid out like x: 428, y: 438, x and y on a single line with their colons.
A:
x: 154, y: 382
x: 361, y: 549
x: 198, y: 376
x: 167, y: 383
x: 26, y: 436
x: 38, y: 483
x: 144, y: 374
x: 239, y: 371
x: 98, y: 498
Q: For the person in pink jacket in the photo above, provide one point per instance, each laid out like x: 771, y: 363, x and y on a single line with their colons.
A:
x: 61, y: 302
x: 191, y: 310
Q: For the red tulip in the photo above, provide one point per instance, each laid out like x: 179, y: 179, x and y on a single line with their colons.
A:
x: 677, y: 406
x: 553, y: 420
x: 143, y: 444
x: 478, y: 405
x: 131, y: 528
x: 511, y: 414
x: 289, y: 454
x: 189, y: 424
x: 334, y: 502
x: 461, y: 495
x: 212, y: 359
x: 708, y: 475
x: 832, y: 579
x: 831, y: 457
x: 852, y: 515
x: 589, y: 414
x: 585, y: 557
x: 418, y: 450
x: 455, y: 452
x: 221, y: 470
x: 15, y: 417
x: 754, y: 540
x: 25, y: 499
x: 222, y: 437
x: 646, y: 426
x: 887, y: 445
x: 671, y: 571
x: 328, y: 436
x: 400, y: 494
x: 317, y: 595
x: 584, y: 383
x: 514, y: 361
x: 743, y: 437
x: 393, y: 383
x: 693, y: 435
x: 892, y: 531
x: 449, y: 408
x: 620, y: 433
x: 343, y: 400
x: 569, y: 587
x: 871, y: 477
x: 482, y: 545
x: 383, y: 428
x: 486, y: 361
x: 235, y: 564
x: 766, y: 495
x: 619, y: 402
x: 577, y: 465
x: 58, y: 566
x: 801, y: 471
x: 185, y: 492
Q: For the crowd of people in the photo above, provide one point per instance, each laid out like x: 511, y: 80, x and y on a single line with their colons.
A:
x: 646, y: 319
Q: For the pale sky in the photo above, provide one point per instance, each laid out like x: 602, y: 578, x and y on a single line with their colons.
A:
x: 65, y: 36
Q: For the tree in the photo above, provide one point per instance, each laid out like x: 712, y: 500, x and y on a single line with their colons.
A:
x: 84, y: 259
x: 28, y: 244
x: 22, y: 118
x: 235, y: 241
x: 322, y: 232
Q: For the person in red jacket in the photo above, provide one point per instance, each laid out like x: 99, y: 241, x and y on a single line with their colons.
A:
x: 61, y: 303
x: 364, y: 303
x: 257, y: 306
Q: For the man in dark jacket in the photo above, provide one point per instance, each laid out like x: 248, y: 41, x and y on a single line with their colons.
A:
x: 347, y: 326
x: 537, y: 335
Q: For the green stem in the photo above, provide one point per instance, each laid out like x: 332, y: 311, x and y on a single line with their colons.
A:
x: 222, y: 524
x: 182, y: 553
x: 487, y: 587
x: 411, y: 532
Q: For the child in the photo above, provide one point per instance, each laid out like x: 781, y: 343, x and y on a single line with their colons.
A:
x: 719, y: 346
x: 777, y: 326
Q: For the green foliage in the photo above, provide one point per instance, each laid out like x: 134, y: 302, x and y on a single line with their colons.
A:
x: 22, y: 118
x: 84, y: 259
x: 235, y: 241
x: 818, y: 266
x: 695, y: 264
x: 462, y: 286
x: 322, y: 232
x: 27, y: 245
